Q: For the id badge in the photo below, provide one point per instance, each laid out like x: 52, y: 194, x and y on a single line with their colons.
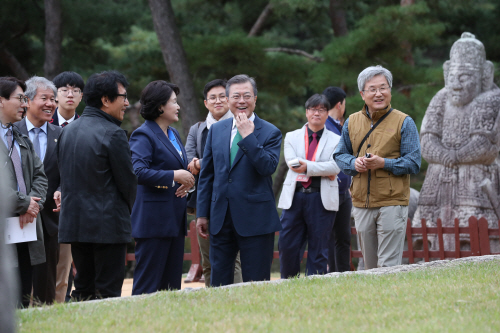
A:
x: 302, y: 177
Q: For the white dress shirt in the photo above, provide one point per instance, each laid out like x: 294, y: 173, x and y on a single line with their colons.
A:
x: 62, y: 120
x: 235, y: 129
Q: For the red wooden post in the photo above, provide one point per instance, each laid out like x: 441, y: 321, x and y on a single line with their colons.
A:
x: 440, y: 238
x: 457, y: 239
x: 484, y: 239
x: 474, y: 236
x: 409, y: 240
x: 425, y: 241
x: 195, y: 271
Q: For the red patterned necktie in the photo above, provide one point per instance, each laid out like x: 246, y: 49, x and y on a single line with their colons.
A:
x: 64, y: 124
x: 310, y: 154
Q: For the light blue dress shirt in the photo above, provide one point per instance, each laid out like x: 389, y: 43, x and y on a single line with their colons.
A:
x: 42, y: 137
x: 3, y: 133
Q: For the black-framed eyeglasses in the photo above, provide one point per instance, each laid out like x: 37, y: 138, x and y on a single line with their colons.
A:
x: 124, y: 95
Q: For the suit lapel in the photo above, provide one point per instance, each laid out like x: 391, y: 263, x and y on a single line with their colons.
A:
x: 51, y: 143
x: 226, y: 139
x: 301, y: 144
x: 183, y: 161
x: 164, y: 139
x: 322, y: 143
x: 22, y: 127
x: 199, y: 136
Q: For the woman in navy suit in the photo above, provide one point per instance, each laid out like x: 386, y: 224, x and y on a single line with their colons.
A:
x: 159, y: 212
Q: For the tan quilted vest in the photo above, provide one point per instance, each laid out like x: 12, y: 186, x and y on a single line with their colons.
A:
x: 386, y: 189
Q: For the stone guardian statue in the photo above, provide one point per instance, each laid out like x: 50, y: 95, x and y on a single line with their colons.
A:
x: 460, y: 139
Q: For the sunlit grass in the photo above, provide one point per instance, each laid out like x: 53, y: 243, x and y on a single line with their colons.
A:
x: 464, y: 298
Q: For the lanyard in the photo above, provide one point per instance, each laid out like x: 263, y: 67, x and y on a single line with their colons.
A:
x: 306, y: 139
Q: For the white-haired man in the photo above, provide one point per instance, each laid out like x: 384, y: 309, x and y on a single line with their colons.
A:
x: 41, y: 94
x: 380, y: 148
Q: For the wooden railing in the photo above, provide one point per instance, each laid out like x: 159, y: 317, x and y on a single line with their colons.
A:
x: 478, y: 234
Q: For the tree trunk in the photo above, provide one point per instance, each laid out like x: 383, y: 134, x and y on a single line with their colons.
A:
x: 175, y: 60
x: 53, y: 38
x: 257, y: 27
x: 405, y: 45
x: 337, y: 16
x: 279, y: 178
x: 15, y: 66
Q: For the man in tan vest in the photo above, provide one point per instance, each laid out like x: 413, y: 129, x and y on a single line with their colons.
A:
x: 379, y: 148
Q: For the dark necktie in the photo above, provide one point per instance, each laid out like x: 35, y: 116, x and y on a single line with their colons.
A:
x: 310, y: 154
x: 36, y: 141
x: 64, y: 124
x: 16, y: 160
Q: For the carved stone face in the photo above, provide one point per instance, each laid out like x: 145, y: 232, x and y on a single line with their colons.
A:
x: 463, y: 85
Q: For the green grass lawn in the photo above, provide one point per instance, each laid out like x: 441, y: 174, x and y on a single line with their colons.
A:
x: 462, y: 298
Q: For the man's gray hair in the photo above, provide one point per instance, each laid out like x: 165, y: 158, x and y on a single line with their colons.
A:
x: 368, y: 73
x: 36, y: 82
x: 241, y: 78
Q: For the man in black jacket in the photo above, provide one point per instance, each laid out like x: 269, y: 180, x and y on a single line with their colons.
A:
x: 98, y: 187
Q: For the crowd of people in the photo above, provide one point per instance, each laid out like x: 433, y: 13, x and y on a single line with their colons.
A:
x: 90, y: 190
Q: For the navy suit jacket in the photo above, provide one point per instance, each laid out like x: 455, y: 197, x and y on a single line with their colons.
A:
x: 246, y: 186
x: 157, y: 211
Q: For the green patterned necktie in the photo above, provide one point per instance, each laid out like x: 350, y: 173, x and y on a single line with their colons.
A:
x: 234, y: 146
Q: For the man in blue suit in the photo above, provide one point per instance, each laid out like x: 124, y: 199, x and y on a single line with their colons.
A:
x: 235, y: 188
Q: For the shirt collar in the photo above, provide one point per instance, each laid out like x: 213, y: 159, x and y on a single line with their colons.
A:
x: 252, y: 118
x: 318, y: 133
x: 30, y: 126
x: 62, y: 120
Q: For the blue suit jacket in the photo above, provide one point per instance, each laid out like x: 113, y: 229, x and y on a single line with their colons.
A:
x: 246, y: 186
x: 157, y: 212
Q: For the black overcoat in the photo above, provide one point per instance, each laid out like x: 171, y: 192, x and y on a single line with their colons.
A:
x: 98, y: 184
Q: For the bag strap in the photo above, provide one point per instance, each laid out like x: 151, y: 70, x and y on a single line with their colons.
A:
x: 371, y: 130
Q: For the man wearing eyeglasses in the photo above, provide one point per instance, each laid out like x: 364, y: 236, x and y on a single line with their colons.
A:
x: 98, y: 187
x: 235, y: 188
x: 216, y: 102
x: 380, y: 148
x: 310, y: 195
x: 41, y: 106
x: 26, y: 181
x: 69, y: 95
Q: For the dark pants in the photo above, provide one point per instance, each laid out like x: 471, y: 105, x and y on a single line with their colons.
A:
x: 305, y: 219
x: 339, y: 245
x: 44, y: 275
x: 25, y: 274
x: 100, y: 270
x: 159, y: 264
x: 256, y: 254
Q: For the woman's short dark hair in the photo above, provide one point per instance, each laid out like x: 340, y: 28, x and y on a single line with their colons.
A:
x: 68, y: 78
x: 318, y: 100
x: 154, y: 95
x: 103, y: 84
x: 8, y: 84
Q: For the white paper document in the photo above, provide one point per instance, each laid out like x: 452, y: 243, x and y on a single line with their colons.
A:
x: 14, y: 233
